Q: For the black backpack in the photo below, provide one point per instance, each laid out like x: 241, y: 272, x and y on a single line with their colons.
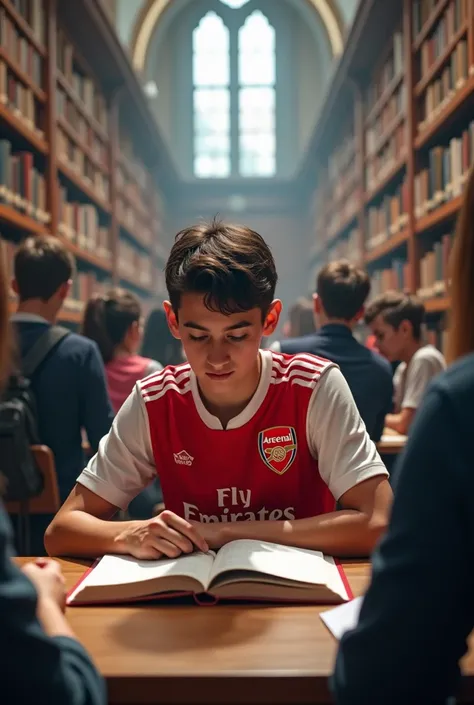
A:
x: 19, y: 425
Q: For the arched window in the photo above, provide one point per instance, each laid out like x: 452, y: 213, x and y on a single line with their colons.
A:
x: 234, y: 94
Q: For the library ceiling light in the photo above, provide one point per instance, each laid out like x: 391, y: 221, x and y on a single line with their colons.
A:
x: 153, y: 10
x: 151, y: 89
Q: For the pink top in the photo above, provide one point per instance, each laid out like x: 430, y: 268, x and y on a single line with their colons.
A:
x: 122, y: 374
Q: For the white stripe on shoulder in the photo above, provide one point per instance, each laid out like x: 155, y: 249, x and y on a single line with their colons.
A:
x: 169, y: 387
x: 310, y: 383
x: 304, y: 362
x: 178, y: 380
x: 177, y: 374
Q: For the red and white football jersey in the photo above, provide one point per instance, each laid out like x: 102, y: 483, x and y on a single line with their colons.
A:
x: 261, y: 469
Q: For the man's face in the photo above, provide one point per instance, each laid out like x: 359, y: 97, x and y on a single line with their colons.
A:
x: 390, y: 341
x: 221, y: 349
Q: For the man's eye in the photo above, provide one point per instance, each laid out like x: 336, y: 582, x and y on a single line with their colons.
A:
x: 198, y: 338
x: 237, y: 338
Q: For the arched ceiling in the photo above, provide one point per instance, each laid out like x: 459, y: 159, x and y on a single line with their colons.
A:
x: 152, y: 11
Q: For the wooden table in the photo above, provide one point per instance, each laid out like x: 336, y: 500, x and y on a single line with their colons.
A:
x: 214, y: 655
x: 391, y: 443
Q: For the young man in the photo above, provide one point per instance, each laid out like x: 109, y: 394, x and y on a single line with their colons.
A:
x: 396, y: 320
x: 247, y: 443
x: 341, y: 291
x: 69, y: 385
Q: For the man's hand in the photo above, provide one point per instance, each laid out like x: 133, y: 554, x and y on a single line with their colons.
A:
x: 167, y: 535
x: 48, y: 580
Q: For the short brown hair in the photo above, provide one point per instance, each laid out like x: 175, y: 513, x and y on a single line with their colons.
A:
x: 343, y: 289
x: 42, y: 265
x: 230, y: 264
x: 396, y: 307
x: 108, y: 318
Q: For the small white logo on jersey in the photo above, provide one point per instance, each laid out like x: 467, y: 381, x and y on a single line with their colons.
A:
x: 183, y: 458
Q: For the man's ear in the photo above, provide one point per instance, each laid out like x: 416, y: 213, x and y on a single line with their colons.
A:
x: 317, y: 304
x: 272, y: 318
x: 64, y: 289
x: 15, y: 287
x: 359, y: 314
x: 171, y: 319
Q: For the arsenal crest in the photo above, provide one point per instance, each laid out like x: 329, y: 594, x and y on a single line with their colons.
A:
x: 277, y: 447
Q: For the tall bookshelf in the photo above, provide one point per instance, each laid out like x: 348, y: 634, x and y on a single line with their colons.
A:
x: 72, y: 162
x: 412, y: 108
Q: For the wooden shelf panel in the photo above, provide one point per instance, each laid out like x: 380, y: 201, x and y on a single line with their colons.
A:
x: 83, y: 186
x: 19, y: 126
x: 438, y: 123
x: 440, y: 214
x: 87, y: 256
x: 38, y: 92
x: 429, y: 24
x: 386, y: 247
x: 24, y: 27
x: 23, y: 222
x: 437, y: 304
x: 423, y: 84
x: 76, y: 138
x: 390, y: 176
x: 384, y: 99
x: 80, y: 105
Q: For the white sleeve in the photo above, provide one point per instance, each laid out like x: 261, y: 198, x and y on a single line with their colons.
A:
x: 124, y: 464
x: 275, y: 346
x: 419, y: 374
x: 337, y: 436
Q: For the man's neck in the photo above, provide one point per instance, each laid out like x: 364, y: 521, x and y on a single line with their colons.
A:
x: 410, y: 351
x: 37, y: 307
x: 338, y: 322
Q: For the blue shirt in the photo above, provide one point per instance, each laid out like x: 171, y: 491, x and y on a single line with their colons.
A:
x: 419, y: 609
x: 367, y: 373
x: 71, y: 395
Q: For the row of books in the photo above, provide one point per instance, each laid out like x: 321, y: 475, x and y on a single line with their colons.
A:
x: 434, y: 268
x: 83, y: 86
x: 447, y: 171
x: 451, y: 21
x: 341, y: 158
x: 20, y: 100
x: 387, y: 218
x: 22, y: 185
x: 134, y: 166
x: 19, y: 49
x: 80, y: 223
x: 380, y: 166
x: 79, y: 159
x: 84, y: 285
x: 67, y: 110
x: 134, y: 265
x: 378, y: 140
x: 134, y: 194
x: 344, y: 184
x: 32, y: 12
x: 440, y: 92
x: 395, y: 277
x: 393, y: 108
x: 392, y: 67
x: 139, y: 227
x: 343, y: 213
x: 421, y: 13
x: 438, y: 337
x: 347, y: 248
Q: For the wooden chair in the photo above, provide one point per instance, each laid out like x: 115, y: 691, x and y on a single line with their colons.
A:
x: 48, y: 502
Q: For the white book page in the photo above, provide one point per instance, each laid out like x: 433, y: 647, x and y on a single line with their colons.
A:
x: 119, y: 570
x: 280, y: 561
x: 342, y: 618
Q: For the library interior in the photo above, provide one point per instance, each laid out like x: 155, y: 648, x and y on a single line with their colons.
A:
x: 236, y: 352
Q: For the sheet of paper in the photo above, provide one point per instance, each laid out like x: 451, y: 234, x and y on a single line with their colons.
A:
x: 343, y: 617
x: 394, y: 440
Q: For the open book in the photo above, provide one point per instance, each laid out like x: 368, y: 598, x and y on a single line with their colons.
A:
x: 251, y: 570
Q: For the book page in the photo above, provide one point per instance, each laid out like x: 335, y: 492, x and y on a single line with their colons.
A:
x: 340, y: 619
x: 120, y: 570
x: 296, y: 564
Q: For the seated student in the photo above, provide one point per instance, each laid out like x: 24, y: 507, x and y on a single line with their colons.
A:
x: 42, y: 661
x: 396, y: 320
x: 419, y: 609
x: 341, y: 291
x: 113, y: 321
x: 69, y: 386
x: 247, y: 443
x: 158, y: 343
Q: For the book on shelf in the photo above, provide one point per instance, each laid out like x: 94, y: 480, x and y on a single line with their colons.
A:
x: 392, y: 114
x: 84, y: 285
x: 19, y: 49
x: 447, y: 171
x: 76, y: 159
x: 22, y: 186
x: 20, y: 101
x: 82, y: 86
x: 342, y: 213
x: 134, y: 265
x: 389, y: 217
x: 80, y: 223
x: 450, y: 23
x: 434, y: 268
x: 396, y: 277
x: 392, y: 67
x: 347, y: 248
x: 244, y: 569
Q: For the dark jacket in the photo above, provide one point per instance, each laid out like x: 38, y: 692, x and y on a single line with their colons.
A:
x: 367, y: 373
x: 35, y: 668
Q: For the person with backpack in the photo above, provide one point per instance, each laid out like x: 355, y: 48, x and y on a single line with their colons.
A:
x: 43, y: 661
x: 65, y: 371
